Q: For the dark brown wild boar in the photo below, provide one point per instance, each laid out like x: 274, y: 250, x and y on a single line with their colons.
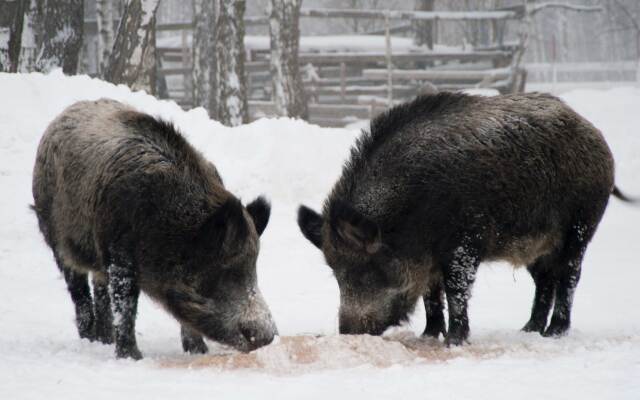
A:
x: 123, y: 196
x: 449, y: 180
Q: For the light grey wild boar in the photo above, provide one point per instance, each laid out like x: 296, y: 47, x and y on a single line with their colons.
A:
x: 447, y: 181
x: 123, y: 196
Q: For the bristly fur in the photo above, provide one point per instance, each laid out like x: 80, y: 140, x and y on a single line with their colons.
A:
x: 122, y: 195
x: 451, y: 180
x: 387, y: 124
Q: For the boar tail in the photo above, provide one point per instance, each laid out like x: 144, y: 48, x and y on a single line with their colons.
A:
x: 617, y: 193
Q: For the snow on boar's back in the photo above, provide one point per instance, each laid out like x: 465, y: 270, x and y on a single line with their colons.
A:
x: 449, y: 180
x: 123, y: 196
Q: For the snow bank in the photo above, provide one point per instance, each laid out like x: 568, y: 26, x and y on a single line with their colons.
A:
x: 294, y: 162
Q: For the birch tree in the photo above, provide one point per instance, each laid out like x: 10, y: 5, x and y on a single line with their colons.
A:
x: 288, y: 90
x: 424, y: 29
x: 230, y: 88
x: 62, y: 25
x: 132, y: 59
x: 31, y: 35
x: 11, y: 21
x: 104, y: 18
x: 204, y: 65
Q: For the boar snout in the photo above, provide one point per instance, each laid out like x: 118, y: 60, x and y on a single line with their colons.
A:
x: 257, y: 334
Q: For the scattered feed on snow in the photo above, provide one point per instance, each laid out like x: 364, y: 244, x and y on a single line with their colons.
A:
x: 306, y: 353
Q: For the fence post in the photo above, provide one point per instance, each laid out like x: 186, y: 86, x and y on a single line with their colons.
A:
x: 343, y: 84
x: 186, y: 78
x: 388, y: 56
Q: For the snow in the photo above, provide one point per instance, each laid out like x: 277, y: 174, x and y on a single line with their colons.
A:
x: 293, y: 162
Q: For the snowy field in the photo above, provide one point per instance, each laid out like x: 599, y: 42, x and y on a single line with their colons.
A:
x: 293, y: 162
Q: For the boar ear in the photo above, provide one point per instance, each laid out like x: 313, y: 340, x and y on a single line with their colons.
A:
x: 310, y: 223
x: 354, y: 228
x: 224, y: 227
x: 260, y: 210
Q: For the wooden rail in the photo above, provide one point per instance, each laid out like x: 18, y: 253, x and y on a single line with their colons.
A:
x: 408, y: 15
x: 344, y: 86
x: 439, y: 75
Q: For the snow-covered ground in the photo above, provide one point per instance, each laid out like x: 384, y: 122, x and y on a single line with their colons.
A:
x: 293, y: 162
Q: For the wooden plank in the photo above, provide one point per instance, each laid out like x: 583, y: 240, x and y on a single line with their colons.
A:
x: 439, y: 75
x: 169, y: 57
x: 332, y: 111
x: 166, y: 50
x: 257, y: 20
x: 380, y: 57
x: 174, y: 71
x: 380, y: 90
x: 407, y: 15
x: 174, y: 26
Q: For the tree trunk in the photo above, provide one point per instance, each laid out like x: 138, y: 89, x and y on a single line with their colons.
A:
x: 11, y: 22
x: 31, y: 35
x: 204, y: 55
x: 230, y: 88
x: 104, y: 18
x: 132, y: 59
x: 288, y: 90
x: 424, y: 29
x: 62, y: 26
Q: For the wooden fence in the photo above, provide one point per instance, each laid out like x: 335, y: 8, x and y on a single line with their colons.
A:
x: 344, y: 84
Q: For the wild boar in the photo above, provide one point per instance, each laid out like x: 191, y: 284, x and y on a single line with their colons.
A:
x: 447, y: 181
x: 122, y: 195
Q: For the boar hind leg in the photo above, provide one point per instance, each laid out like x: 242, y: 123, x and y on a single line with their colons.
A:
x: 434, y: 307
x: 459, y: 271
x: 192, y: 342
x: 78, y: 287
x: 567, y: 276
x: 123, y: 294
x: 102, y: 311
x: 542, y: 273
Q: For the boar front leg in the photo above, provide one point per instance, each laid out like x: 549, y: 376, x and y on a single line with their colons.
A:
x: 434, y: 307
x: 459, y: 271
x: 123, y: 293
x: 542, y: 273
x: 78, y: 287
x: 102, y: 310
x: 192, y: 342
x: 568, y: 272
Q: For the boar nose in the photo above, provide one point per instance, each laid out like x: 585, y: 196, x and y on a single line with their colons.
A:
x: 256, y: 335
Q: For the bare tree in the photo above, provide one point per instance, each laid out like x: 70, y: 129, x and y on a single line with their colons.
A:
x: 11, y: 22
x: 62, y: 26
x: 231, y: 87
x: 424, y: 33
x: 132, y: 59
x: 634, y: 25
x: 204, y: 65
x: 104, y: 18
x: 31, y: 35
x: 288, y: 90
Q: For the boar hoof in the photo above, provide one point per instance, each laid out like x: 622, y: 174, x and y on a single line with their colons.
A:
x: 131, y: 352
x: 556, y: 329
x: 104, y: 331
x: 104, y: 337
x: 534, y: 326
x: 194, y: 345
x: 434, y: 329
x: 457, y: 335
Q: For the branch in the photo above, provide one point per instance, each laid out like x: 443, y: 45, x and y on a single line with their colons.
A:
x: 572, y: 7
x: 628, y: 14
